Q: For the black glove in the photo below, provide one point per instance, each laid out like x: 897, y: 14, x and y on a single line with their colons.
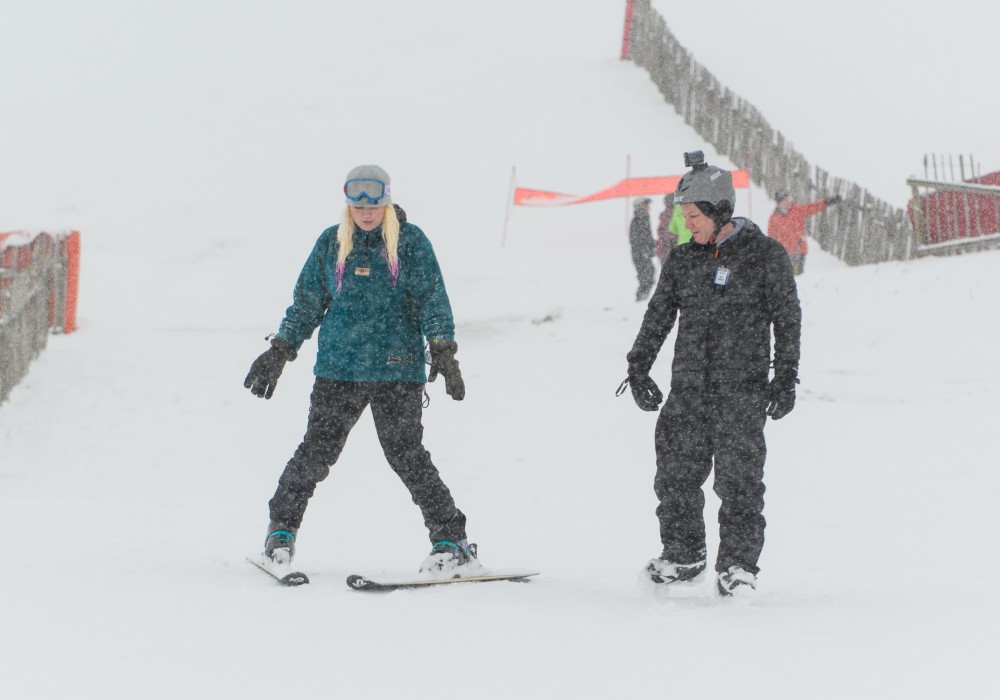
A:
x: 834, y: 200
x: 645, y: 392
x: 266, y: 369
x: 443, y: 361
x: 780, y: 394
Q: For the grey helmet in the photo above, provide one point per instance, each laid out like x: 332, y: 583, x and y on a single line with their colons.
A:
x: 709, y: 187
x: 706, y: 183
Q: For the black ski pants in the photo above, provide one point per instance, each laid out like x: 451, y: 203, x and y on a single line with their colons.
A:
x: 335, y: 408
x: 692, y: 432
x: 646, y: 273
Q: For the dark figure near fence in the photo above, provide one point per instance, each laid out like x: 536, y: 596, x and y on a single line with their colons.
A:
x: 640, y: 238
x: 729, y: 286
x: 787, y: 225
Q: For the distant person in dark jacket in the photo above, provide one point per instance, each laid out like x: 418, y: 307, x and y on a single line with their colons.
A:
x: 640, y: 238
x: 373, y: 287
x: 787, y: 225
x: 729, y: 287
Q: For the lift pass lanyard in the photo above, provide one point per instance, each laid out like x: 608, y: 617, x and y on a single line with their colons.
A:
x: 721, y: 278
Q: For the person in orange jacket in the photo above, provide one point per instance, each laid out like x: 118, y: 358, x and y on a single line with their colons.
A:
x: 787, y: 225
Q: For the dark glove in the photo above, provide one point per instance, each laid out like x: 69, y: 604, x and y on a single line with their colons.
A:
x: 647, y: 395
x: 780, y: 394
x: 266, y: 369
x: 443, y: 361
x: 834, y: 200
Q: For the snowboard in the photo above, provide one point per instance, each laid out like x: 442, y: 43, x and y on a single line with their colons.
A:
x: 282, y: 574
x: 361, y: 583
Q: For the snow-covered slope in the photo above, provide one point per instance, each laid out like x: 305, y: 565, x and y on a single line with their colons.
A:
x: 200, y: 148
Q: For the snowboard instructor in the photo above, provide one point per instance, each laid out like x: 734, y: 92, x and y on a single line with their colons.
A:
x: 373, y: 286
x: 729, y: 287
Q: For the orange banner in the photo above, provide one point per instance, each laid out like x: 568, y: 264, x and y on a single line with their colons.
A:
x: 631, y: 187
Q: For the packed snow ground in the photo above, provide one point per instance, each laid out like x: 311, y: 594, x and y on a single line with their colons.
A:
x: 200, y: 148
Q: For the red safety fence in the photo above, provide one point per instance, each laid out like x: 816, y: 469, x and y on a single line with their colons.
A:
x: 627, y: 32
x: 53, y: 260
x: 39, y: 280
x: 66, y: 292
x: 955, y: 213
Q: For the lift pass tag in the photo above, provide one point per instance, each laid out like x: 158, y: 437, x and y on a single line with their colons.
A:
x: 362, y: 271
x: 721, y: 275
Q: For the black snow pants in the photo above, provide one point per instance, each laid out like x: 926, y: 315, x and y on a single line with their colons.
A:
x: 335, y: 408
x: 646, y: 273
x: 692, y: 430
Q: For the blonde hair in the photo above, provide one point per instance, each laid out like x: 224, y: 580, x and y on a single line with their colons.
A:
x: 390, y: 237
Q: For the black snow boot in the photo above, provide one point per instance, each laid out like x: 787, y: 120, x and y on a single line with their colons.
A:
x: 279, y: 545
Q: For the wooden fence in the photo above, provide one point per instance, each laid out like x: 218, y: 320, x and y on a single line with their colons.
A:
x: 861, y: 230
x: 25, y: 280
x: 38, y: 290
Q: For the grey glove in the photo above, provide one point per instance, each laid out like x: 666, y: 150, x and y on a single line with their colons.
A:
x: 443, y: 361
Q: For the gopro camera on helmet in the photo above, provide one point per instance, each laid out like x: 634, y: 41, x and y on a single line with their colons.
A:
x: 695, y: 159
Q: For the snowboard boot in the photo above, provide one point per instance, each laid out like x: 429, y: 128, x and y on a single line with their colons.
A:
x: 279, y: 545
x: 737, y: 582
x: 451, y: 560
x: 665, y: 571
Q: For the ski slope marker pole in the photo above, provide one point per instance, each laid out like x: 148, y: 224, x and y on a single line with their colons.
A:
x: 510, y: 204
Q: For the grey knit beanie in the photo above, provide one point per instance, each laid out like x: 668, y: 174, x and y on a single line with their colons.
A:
x: 367, y: 186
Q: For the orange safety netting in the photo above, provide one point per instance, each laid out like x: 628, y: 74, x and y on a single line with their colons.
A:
x: 630, y: 187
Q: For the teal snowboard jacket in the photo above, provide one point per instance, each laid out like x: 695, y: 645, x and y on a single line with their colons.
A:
x: 372, y: 322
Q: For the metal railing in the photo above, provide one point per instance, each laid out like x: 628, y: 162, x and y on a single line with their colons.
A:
x: 954, y: 216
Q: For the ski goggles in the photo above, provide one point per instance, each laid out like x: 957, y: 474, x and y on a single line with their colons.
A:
x: 365, y: 189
